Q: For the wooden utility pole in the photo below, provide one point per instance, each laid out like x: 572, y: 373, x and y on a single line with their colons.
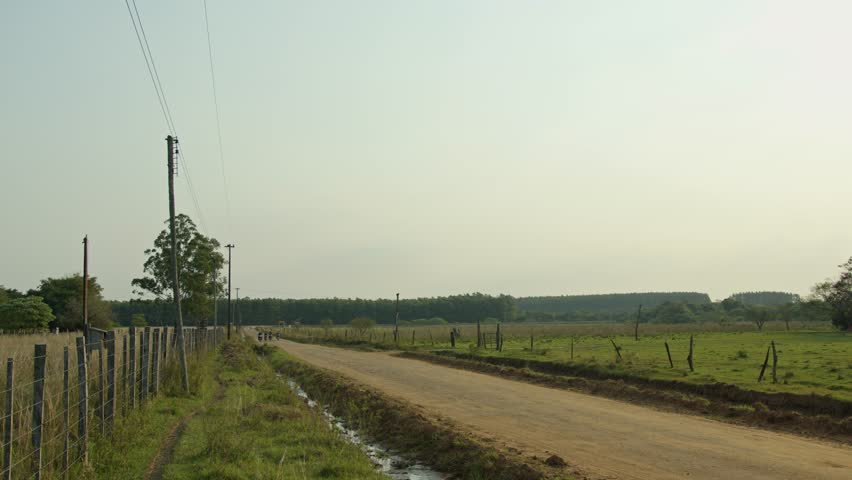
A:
x: 229, y: 247
x: 239, y: 317
x: 86, y: 286
x: 171, y: 145
x: 396, y: 321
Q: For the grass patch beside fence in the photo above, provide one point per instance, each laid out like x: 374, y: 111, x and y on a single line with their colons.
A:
x: 257, y: 428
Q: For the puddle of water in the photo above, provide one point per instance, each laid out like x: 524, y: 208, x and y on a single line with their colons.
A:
x: 391, y: 465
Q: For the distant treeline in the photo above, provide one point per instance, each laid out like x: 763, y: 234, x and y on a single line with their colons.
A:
x: 612, y: 303
x: 765, y: 298
x: 663, y: 307
x: 269, y: 311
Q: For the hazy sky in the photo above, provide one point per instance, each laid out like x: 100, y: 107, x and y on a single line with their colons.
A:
x: 437, y: 147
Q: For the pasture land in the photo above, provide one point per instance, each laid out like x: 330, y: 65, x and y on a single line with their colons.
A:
x: 812, y: 358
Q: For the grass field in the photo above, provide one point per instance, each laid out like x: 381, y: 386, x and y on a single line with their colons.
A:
x: 811, y: 358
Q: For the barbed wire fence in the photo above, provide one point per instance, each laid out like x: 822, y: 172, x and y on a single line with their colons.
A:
x: 55, y: 403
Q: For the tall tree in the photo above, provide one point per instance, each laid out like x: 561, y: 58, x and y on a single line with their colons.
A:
x: 64, y: 295
x: 25, y: 313
x: 838, y: 296
x: 198, y: 261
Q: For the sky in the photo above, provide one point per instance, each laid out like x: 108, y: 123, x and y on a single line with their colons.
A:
x: 435, y: 147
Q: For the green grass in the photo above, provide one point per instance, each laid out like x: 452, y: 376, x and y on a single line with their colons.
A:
x: 138, y: 436
x: 811, y: 359
x: 256, y: 428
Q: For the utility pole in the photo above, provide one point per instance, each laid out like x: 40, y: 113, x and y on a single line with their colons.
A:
x: 229, y: 247
x: 86, y: 287
x: 171, y: 144
x: 215, y: 302
x: 396, y: 321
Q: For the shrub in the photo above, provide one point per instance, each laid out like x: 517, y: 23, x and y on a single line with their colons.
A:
x: 25, y: 313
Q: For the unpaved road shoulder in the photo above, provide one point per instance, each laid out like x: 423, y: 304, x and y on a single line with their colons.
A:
x: 606, y: 438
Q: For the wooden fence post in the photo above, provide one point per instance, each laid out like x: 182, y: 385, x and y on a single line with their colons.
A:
x: 165, y: 342
x: 531, y: 342
x: 497, y: 338
x: 763, y: 368
x: 132, y: 369
x: 452, y: 339
x: 83, y: 389
x: 8, y: 424
x: 143, y: 389
x: 572, y: 348
x: 155, y: 365
x: 669, y: 353
x: 412, y: 336
x: 66, y: 413
x: 774, y: 363
x: 124, y: 375
x: 101, y: 390
x: 479, y: 335
x: 110, y: 401
x: 39, y: 363
x: 617, y: 349
x: 689, y: 358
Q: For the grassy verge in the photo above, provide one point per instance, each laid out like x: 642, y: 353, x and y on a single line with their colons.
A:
x: 138, y: 436
x: 398, y: 425
x: 256, y: 428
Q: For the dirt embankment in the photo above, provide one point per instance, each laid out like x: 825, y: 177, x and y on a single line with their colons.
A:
x: 605, y: 438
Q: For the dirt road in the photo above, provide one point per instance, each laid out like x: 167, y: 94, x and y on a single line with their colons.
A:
x: 604, y: 438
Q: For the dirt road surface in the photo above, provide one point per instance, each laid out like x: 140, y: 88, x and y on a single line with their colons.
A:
x: 604, y: 438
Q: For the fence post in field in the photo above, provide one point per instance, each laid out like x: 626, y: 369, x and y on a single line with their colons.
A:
x: 132, y: 368
x: 8, y: 424
x: 669, y: 354
x: 66, y: 414
x: 763, y: 368
x: 412, y: 336
x: 155, y: 366
x: 124, y: 375
x: 83, y: 389
x: 101, y: 390
x: 774, y: 363
x: 572, y: 348
x: 453, y: 338
x: 531, y: 342
x: 479, y: 335
x: 689, y: 358
x: 617, y: 349
x: 39, y: 362
x: 497, y: 339
x: 143, y: 389
x: 110, y: 401
x: 164, y: 342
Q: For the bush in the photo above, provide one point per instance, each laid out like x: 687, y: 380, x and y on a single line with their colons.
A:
x: 25, y: 313
x: 362, y: 324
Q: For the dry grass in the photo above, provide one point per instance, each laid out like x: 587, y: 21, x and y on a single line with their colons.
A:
x: 20, y: 348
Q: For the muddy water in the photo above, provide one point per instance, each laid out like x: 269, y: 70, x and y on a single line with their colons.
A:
x: 391, y: 465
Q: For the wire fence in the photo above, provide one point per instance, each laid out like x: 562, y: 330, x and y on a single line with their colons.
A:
x: 61, y: 397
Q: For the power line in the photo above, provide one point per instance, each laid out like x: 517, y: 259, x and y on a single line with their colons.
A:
x: 142, y: 38
x: 218, y: 121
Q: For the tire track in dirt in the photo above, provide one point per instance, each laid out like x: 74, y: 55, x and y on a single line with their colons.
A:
x: 606, y: 438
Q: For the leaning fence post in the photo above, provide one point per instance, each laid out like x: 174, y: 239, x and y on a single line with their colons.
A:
x: 669, y: 353
x: 763, y: 368
x: 110, y: 401
x: 39, y: 361
x: 132, y: 382
x: 9, y: 425
x: 155, y: 364
x: 774, y: 363
x: 66, y: 414
x: 83, y: 389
